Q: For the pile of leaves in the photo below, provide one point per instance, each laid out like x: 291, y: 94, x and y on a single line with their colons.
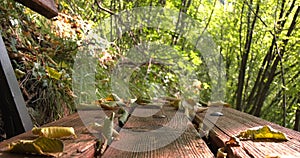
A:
x: 42, y: 58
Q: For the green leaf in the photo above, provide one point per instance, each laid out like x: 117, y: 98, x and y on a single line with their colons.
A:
x: 124, y: 116
x: 108, y: 128
x: 52, y: 73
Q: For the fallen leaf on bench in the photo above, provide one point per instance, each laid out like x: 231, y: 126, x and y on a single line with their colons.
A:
x: 233, y: 141
x: 218, y: 103
x: 100, y: 146
x: 54, y: 132
x: 113, y: 97
x: 199, y: 109
x: 172, y: 101
x: 280, y: 156
x: 42, y: 146
x: 123, y: 116
x: 108, y: 106
x: 108, y: 128
x: 97, y: 127
x: 221, y: 153
x: 188, y: 107
x: 262, y: 132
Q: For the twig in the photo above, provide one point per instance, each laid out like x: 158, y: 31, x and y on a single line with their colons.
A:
x: 104, y: 9
x: 258, y: 17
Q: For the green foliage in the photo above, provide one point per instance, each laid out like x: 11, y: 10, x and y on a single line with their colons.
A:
x: 43, y: 56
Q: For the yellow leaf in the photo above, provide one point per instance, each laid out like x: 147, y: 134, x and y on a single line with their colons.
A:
x: 52, y: 73
x: 113, y: 97
x: 262, y: 132
x: 218, y: 103
x: 25, y: 146
x: 54, y: 132
x: 19, y: 73
x: 49, y: 144
x: 42, y: 145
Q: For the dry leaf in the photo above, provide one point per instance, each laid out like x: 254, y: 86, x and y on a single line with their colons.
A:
x: 54, y: 132
x: 188, y: 106
x: 262, y: 132
x: 97, y: 127
x: 281, y: 156
x: 221, y: 153
x: 100, y: 146
x: 199, y: 109
x: 108, y: 128
x: 109, y: 106
x: 113, y: 97
x: 42, y: 145
x: 233, y: 141
x: 218, y: 103
x: 123, y: 116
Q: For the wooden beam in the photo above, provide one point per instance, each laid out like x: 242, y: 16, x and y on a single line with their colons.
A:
x: 16, y: 118
x: 46, y: 8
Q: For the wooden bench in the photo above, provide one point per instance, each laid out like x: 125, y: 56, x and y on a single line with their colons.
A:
x: 154, y: 133
x: 187, y: 144
x: 233, y: 122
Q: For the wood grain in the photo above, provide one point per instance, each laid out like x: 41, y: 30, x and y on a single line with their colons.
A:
x: 179, y: 141
x: 144, y: 135
x: 71, y: 146
x: 234, y: 122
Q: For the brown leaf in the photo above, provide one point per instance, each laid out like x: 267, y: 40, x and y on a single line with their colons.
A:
x: 221, y: 153
x: 200, y: 109
x: 233, y: 141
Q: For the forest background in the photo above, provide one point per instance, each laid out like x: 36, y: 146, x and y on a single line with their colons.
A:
x: 258, y: 40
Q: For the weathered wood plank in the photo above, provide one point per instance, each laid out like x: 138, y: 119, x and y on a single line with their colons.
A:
x: 12, y: 104
x: 73, y: 147
x: 145, y: 137
x: 234, y: 122
x: 46, y: 8
x: 186, y: 143
x: 83, y: 146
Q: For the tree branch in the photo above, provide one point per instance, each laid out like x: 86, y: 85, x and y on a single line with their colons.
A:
x: 104, y: 9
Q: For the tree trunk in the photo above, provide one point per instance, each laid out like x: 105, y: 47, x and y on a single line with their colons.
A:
x: 279, y: 55
x: 245, y: 56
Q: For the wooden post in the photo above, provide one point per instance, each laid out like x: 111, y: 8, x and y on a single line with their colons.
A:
x: 297, y: 120
x: 46, y: 8
x: 15, y: 115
